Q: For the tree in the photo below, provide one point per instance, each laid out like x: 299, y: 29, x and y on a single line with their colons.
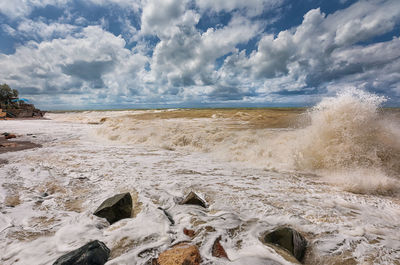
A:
x: 6, y: 93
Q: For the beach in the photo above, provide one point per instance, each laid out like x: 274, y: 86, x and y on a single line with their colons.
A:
x: 320, y: 171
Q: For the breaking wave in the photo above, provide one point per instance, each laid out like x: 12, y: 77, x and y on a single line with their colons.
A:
x: 351, y: 142
x: 348, y: 140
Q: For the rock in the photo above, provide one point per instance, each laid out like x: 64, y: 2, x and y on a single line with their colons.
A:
x: 181, y: 254
x: 93, y: 253
x: 193, y: 198
x: 10, y: 136
x: 188, y: 232
x: 289, y: 239
x: 218, y: 250
x: 115, y: 208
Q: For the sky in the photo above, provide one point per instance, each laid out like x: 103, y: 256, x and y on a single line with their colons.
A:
x: 107, y: 54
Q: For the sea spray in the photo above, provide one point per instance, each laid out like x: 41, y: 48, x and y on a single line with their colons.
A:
x: 351, y: 143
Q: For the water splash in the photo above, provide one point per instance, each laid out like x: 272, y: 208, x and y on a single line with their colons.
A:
x: 350, y: 141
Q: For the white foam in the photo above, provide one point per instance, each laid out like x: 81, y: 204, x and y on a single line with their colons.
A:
x: 79, y: 169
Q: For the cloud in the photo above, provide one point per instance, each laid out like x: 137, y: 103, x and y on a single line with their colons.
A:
x: 157, y: 51
x: 187, y: 58
x: 320, y: 51
x: 160, y: 16
x: 39, y: 30
x: 78, y: 64
x: 250, y: 7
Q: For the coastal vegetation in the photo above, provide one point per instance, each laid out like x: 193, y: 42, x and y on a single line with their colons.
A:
x: 7, y: 94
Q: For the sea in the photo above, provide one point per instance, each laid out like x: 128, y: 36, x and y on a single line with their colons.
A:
x: 331, y: 172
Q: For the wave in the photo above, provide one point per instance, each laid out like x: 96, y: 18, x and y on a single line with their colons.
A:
x: 351, y: 142
x: 347, y: 139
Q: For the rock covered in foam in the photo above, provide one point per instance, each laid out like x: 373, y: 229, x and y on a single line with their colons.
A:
x: 93, y: 253
x: 181, y: 254
x: 115, y: 208
x: 289, y: 239
x: 194, y: 199
x: 218, y: 250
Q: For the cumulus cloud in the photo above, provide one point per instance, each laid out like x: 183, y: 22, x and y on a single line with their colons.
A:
x: 320, y: 50
x: 78, y: 64
x: 163, y: 52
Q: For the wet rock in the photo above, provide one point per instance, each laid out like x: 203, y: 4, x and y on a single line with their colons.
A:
x: 93, y: 253
x: 193, y: 198
x: 181, y: 254
x: 288, y: 239
x: 218, y: 250
x: 10, y: 136
x: 115, y: 208
x: 188, y: 232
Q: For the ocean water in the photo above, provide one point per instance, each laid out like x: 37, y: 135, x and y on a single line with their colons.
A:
x: 331, y: 172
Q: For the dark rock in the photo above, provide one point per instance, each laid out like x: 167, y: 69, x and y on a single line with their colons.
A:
x: 218, y: 250
x: 289, y: 239
x: 193, y: 198
x: 93, y: 253
x: 115, y: 208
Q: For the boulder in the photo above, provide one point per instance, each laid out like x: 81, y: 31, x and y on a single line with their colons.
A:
x: 93, y: 253
x: 218, y: 250
x: 193, y: 198
x: 181, y: 254
x: 289, y: 239
x: 115, y: 208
